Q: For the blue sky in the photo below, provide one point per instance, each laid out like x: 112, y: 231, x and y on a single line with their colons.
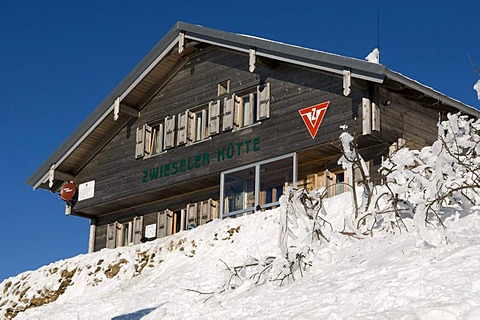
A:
x: 59, y: 59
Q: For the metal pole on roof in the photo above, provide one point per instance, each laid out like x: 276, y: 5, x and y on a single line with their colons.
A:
x: 378, y: 36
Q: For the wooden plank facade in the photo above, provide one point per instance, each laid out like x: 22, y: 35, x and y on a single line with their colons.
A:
x: 206, y: 128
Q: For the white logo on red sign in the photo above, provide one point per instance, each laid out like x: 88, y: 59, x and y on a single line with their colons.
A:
x: 313, y: 116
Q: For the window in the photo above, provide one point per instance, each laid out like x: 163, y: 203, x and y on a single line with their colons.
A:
x: 258, y: 185
x: 335, y: 182
x: 198, y: 124
x: 339, y: 183
x: 245, y: 109
x: 223, y: 88
x: 240, y: 191
x: 155, y: 139
x: 150, y: 140
x: 121, y: 234
x: 156, y: 144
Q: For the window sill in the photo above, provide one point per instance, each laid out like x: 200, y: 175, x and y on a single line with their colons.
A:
x: 155, y: 155
x: 246, y: 127
x: 241, y: 212
x: 197, y: 142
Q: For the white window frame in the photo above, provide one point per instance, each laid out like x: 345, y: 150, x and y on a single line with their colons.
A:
x: 238, y: 115
x: 150, y: 140
x: 157, y: 139
x: 256, y: 167
x: 198, y: 128
x: 245, y: 116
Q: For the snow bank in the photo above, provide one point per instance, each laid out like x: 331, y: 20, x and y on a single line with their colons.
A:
x: 178, y: 277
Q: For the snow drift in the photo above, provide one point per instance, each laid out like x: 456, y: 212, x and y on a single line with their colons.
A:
x: 382, y: 277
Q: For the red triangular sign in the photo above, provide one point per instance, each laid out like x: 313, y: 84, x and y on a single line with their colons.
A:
x: 313, y: 116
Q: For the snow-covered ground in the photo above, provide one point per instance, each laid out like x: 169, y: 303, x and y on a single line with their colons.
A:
x: 387, y: 276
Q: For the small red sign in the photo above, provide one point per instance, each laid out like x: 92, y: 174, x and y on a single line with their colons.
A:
x: 68, y: 191
x: 313, y: 116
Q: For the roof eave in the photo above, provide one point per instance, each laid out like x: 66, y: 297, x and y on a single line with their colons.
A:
x: 285, y: 52
x: 444, y: 99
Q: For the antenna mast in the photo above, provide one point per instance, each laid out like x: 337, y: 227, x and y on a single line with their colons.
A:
x: 378, y: 35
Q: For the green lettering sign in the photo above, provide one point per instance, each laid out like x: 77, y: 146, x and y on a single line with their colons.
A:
x: 228, y: 152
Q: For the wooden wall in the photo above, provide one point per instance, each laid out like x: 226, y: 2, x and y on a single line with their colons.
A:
x: 118, y: 175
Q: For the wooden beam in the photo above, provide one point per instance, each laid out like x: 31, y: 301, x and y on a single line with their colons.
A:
x: 181, y: 42
x: 251, y: 60
x: 122, y: 108
x: 129, y: 111
x: 63, y: 176
x: 54, y: 174
x: 347, y: 82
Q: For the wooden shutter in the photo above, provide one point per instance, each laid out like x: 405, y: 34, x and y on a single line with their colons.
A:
x: 205, y: 124
x: 169, y: 220
x: 204, y: 214
x: 370, y: 114
x: 237, y: 112
x: 263, y: 102
x: 330, y: 183
x: 140, y: 145
x: 162, y: 224
x: 213, y: 209
x: 366, y: 115
x: 182, y: 128
x: 192, y: 214
x: 159, y: 146
x: 148, y: 139
x: 375, y: 117
x: 191, y: 126
x: 137, y: 229
x: 214, y: 117
x: 112, y: 235
x: 228, y: 107
x: 169, y: 132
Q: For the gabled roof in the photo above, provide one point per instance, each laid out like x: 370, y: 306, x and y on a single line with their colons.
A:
x: 160, y: 64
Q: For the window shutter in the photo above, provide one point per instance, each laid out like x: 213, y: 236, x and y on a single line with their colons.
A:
x: 228, y: 113
x: 182, y: 128
x: 169, y: 132
x: 137, y: 229
x: 366, y: 115
x: 170, y: 222
x: 192, y: 214
x: 331, y: 183
x: 111, y: 235
x: 375, y: 117
x: 191, y: 126
x: 205, y: 124
x: 204, y: 214
x: 263, y: 102
x: 213, y: 209
x: 238, y: 111
x: 162, y: 224
x: 160, y: 134
x: 140, y: 145
x: 148, y: 139
x: 214, y: 117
